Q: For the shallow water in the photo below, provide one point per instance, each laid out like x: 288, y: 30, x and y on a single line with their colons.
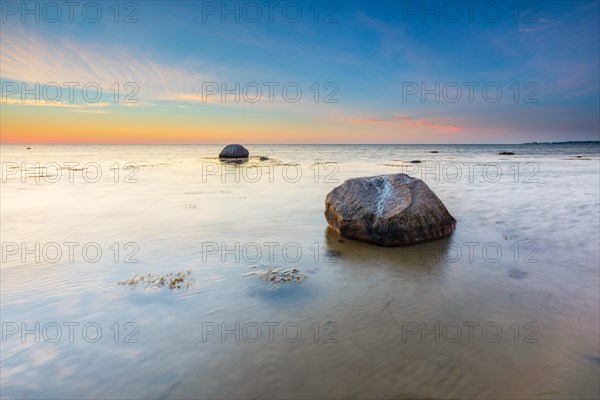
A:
x: 507, y: 307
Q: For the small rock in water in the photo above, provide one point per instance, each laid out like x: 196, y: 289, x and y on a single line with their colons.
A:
x: 593, y: 359
x: 29, y: 148
x: 577, y: 158
x: 434, y: 151
x: 263, y: 158
x: 517, y: 274
x: 234, y: 151
x: 333, y: 253
x: 415, y: 162
x: 506, y: 153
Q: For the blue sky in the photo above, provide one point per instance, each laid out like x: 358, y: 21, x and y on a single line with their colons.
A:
x: 369, y: 56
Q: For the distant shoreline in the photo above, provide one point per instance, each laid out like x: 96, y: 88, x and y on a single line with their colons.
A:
x: 569, y: 142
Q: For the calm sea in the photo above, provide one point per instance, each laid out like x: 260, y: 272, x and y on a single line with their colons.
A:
x: 507, y: 307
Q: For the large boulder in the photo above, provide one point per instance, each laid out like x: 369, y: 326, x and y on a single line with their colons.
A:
x: 234, y: 151
x: 388, y: 210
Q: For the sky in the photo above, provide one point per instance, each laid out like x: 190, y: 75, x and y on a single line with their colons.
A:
x: 299, y: 72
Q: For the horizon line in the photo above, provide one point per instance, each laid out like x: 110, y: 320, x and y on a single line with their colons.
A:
x: 292, y: 144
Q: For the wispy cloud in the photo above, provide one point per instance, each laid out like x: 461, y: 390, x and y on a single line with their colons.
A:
x: 90, y: 111
x: 45, y: 103
x: 266, y: 103
x: 534, y: 26
x: 29, y: 57
x: 405, y: 120
x: 42, y: 103
x: 32, y: 58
